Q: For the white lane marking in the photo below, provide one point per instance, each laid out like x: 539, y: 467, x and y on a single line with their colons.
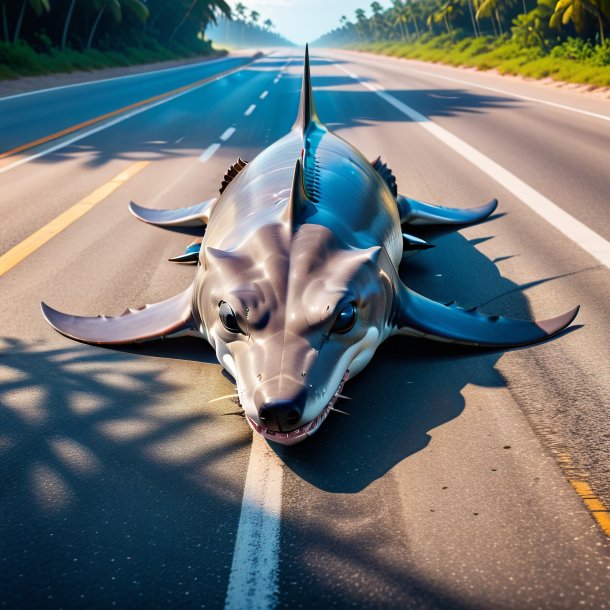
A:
x: 263, y: 95
x: 227, y: 134
x: 114, y: 78
x: 250, y: 110
x: 578, y: 232
x: 528, y: 98
x: 119, y: 119
x: 253, y: 582
x: 179, y: 140
x: 209, y: 152
x: 276, y: 80
x: 603, y: 117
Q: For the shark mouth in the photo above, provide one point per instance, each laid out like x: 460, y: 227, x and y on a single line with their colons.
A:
x: 301, y: 433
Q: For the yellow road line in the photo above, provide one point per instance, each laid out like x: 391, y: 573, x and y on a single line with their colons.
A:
x: 594, y: 505
x: 109, y: 115
x: 30, y: 244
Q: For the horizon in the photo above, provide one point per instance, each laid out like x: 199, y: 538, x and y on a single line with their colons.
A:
x: 302, y: 21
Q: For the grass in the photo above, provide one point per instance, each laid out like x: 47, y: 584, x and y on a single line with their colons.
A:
x: 21, y: 60
x: 574, y: 60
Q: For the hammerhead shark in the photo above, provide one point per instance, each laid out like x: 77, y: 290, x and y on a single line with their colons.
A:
x: 297, y: 278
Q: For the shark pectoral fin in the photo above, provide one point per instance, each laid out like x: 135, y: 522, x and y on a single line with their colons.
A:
x: 419, y: 316
x: 190, y: 254
x: 419, y: 213
x: 412, y: 245
x: 170, y: 318
x: 193, y: 216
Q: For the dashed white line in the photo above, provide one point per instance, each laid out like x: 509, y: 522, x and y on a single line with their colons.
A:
x: 119, y: 119
x: 209, y: 152
x: 253, y: 582
x: 179, y: 140
x: 276, y: 80
x: 250, y: 110
x: 263, y: 95
x: 227, y: 134
x: 572, y: 228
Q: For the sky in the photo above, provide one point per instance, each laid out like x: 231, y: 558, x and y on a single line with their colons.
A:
x: 303, y: 21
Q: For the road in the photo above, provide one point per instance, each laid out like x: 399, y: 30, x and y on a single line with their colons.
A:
x: 460, y: 479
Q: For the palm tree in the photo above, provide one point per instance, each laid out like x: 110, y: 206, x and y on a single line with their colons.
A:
x: 137, y: 7
x: 412, y: 11
x: 64, y: 34
x: 446, y: 12
x: 361, y: 22
x: 268, y: 25
x: 37, y: 5
x: 203, y: 12
x: 489, y: 8
x: 5, y: 22
x: 254, y: 15
x: 240, y: 9
x: 375, y: 20
x: 576, y: 11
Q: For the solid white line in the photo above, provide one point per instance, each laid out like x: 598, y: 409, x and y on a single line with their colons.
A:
x: 588, y: 240
x: 603, y: 117
x: 253, y: 582
x: 263, y: 95
x: 227, y: 134
x: 209, y: 152
x: 114, y: 78
x: 250, y: 110
x: 434, y: 74
x: 119, y: 119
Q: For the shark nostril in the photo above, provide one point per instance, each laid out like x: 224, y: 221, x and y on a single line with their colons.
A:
x: 266, y: 416
x: 293, y: 416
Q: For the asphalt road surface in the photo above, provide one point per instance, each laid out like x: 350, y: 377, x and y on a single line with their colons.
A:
x: 460, y: 479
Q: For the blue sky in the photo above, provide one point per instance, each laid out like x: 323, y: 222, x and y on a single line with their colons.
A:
x: 305, y: 20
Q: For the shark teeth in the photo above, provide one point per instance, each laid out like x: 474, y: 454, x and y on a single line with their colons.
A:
x: 294, y: 436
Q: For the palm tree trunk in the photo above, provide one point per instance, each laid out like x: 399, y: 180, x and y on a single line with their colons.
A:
x: 601, y: 29
x: 493, y: 25
x: 416, y: 28
x: 499, y: 22
x: 94, y: 26
x: 5, y: 22
x: 19, y: 22
x: 64, y: 35
x: 474, y: 23
x: 186, y: 16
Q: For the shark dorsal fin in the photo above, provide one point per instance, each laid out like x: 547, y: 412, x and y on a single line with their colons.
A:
x: 232, y: 173
x: 386, y: 173
x: 307, y: 109
x: 299, y: 202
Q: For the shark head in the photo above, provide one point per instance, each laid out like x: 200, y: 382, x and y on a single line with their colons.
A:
x: 292, y: 313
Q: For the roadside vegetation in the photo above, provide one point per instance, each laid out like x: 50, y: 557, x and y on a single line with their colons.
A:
x: 564, y: 40
x: 245, y: 29
x: 45, y: 36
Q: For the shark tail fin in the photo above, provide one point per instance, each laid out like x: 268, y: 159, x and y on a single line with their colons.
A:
x: 307, y: 108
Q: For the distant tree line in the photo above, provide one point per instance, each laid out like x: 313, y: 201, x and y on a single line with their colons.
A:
x: 108, y: 24
x: 532, y: 22
x: 245, y: 28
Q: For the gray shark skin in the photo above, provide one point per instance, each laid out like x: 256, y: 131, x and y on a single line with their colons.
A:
x: 297, y: 282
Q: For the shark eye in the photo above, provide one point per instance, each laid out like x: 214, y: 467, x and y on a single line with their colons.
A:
x: 228, y: 318
x: 345, y: 320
